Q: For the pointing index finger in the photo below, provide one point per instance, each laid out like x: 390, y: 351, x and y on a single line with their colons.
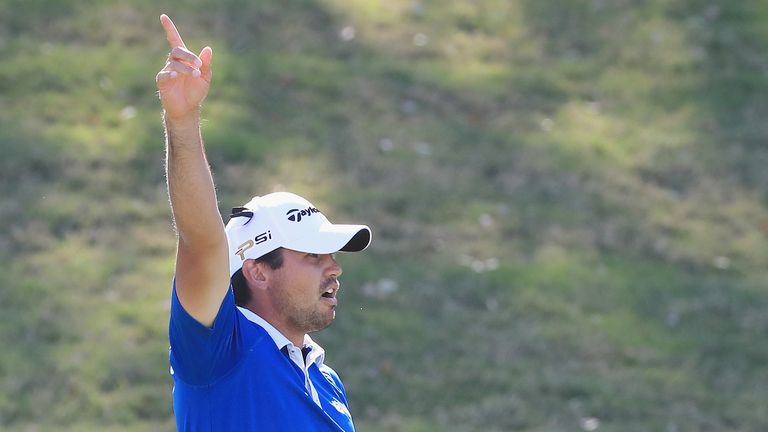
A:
x: 173, y: 36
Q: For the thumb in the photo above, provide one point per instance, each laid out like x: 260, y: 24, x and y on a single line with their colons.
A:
x: 205, y: 56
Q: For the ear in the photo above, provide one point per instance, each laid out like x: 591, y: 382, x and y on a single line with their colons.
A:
x: 256, y: 273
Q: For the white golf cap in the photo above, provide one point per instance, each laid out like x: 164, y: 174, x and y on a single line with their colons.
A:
x: 283, y: 219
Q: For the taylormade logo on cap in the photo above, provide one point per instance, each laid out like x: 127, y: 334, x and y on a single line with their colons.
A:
x: 283, y: 219
x: 295, y: 215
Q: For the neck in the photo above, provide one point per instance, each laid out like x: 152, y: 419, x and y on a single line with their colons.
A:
x: 296, y: 339
x: 295, y: 336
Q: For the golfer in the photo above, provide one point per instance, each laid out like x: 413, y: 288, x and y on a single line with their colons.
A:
x: 245, y: 296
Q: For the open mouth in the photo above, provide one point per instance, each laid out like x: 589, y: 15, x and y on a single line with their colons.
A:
x: 330, y: 291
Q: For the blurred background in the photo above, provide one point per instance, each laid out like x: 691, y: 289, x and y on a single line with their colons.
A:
x: 569, y: 202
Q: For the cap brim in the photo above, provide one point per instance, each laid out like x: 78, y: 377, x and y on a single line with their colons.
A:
x: 333, y: 238
x: 359, y: 241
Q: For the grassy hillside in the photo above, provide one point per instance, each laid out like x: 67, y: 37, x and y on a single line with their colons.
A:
x: 568, y: 201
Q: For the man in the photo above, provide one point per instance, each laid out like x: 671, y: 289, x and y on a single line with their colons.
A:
x: 245, y: 295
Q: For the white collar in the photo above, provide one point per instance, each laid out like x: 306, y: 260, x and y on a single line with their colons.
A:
x: 317, y: 353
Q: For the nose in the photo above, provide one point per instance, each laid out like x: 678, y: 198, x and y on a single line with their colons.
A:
x: 334, y: 269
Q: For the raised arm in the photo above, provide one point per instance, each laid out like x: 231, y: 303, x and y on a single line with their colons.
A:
x: 202, y: 269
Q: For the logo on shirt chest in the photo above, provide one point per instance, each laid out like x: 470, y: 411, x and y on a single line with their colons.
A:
x: 340, y: 407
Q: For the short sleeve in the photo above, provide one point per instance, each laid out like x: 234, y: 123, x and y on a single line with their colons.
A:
x: 199, y: 355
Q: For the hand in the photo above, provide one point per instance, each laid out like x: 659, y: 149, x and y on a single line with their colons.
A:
x: 183, y: 82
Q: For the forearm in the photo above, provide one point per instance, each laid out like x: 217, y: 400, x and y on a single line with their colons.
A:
x: 190, y: 184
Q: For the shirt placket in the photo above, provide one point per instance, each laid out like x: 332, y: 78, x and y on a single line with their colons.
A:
x: 298, y: 359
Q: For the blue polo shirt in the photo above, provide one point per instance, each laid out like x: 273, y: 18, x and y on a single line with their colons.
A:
x: 233, y: 377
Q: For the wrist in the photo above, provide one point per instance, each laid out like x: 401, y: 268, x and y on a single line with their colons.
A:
x: 185, y: 121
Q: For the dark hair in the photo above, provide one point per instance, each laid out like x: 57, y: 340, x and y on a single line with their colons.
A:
x: 273, y: 259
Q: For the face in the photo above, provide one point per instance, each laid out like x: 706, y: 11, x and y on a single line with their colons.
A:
x: 303, y: 291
